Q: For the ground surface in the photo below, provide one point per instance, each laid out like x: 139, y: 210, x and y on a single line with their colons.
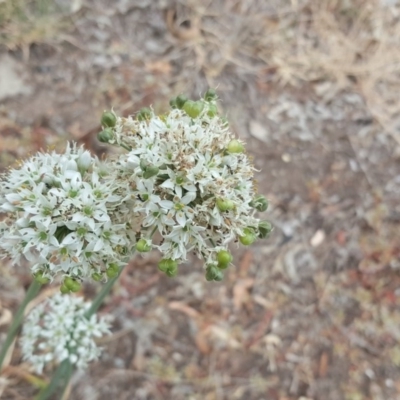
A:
x: 312, y: 313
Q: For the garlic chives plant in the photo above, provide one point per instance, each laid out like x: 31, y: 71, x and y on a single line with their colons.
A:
x: 182, y: 183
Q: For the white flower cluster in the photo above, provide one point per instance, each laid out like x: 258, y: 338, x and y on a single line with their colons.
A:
x: 184, y: 176
x: 57, y: 329
x: 65, y: 214
x: 191, y: 181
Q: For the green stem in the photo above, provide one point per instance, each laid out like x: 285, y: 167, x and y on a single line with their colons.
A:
x: 125, y: 147
x: 58, y: 382
x: 153, y: 231
x: 96, y: 303
x: 66, y: 370
x: 19, y: 316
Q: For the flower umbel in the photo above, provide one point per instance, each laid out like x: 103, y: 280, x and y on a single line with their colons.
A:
x: 57, y: 329
x: 191, y: 180
x: 65, y: 214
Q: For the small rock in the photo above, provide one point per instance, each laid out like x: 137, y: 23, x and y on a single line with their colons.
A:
x: 318, y: 238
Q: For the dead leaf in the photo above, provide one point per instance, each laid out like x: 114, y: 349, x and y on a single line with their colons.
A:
x: 245, y: 264
x: 240, y: 292
x: 222, y: 334
x: 182, y: 307
x: 162, y: 67
x: 323, y: 365
x: 202, y: 342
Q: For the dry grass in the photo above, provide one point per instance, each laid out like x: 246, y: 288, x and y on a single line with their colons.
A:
x: 27, y: 22
x: 336, y: 45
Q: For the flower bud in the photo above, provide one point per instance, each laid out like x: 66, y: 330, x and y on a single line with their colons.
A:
x: 218, y: 276
x: 248, y: 238
x: 212, y: 110
x: 97, y: 277
x: 105, y: 135
x: 210, y: 95
x: 225, y: 205
x: 264, y: 229
x: 108, y: 119
x: 213, y: 273
x: 193, y: 108
x: 144, y: 114
x: 172, y: 103
x: 150, y: 171
x: 143, y: 164
x: 142, y: 246
x: 224, y: 258
x: 72, y: 284
x: 172, y: 271
x: 40, y: 278
x: 235, y: 146
x: 68, y: 282
x: 169, y: 266
x: 64, y: 289
x: 210, y: 272
x: 84, y: 161
x: 181, y: 100
x: 260, y: 203
x: 112, y: 271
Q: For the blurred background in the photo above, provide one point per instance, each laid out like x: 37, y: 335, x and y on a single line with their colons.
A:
x: 313, y: 88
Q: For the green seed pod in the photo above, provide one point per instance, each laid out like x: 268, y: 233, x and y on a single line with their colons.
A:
x: 108, y: 119
x: 41, y: 279
x: 210, y: 273
x: 64, y: 289
x: 224, y: 258
x: 105, y: 135
x: 172, y: 103
x: 218, y: 276
x: 166, y: 264
x: 150, y: 171
x: 97, y: 277
x: 248, y: 238
x: 193, y: 108
x: 181, y: 100
x: 69, y: 282
x: 172, y: 271
x: 264, y: 229
x: 142, y: 246
x: 213, y: 273
x: 112, y: 271
x: 212, y: 110
x: 144, y: 114
x: 225, y: 205
x: 75, y: 287
x: 235, y: 146
x: 260, y: 203
x: 210, y: 95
